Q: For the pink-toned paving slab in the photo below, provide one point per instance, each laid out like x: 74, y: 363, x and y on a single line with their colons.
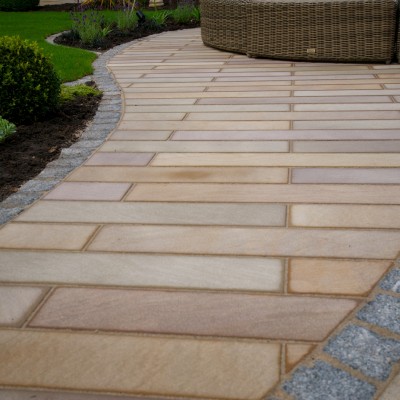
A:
x: 241, y: 211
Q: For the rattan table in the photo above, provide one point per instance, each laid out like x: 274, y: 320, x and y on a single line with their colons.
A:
x: 318, y: 30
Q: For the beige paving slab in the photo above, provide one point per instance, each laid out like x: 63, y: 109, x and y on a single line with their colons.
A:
x: 294, y: 353
x: 143, y: 270
x: 154, y: 116
x: 114, y: 158
x: 271, y: 193
x: 150, y: 102
x: 198, y: 95
x: 361, y: 124
x: 140, y: 135
x: 392, y: 391
x: 297, y: 100
x: 88, y: 191
x: 180, y: 174
x: 351, y: 216
x: 298, y: 116
x: 156, y: 213
x: 231, y: 369
x: 207, y: 125
x: 277, y: 160
x: 16, y: 302
x: 346, y: 107
x: 45, y: 236
x: 346, y: 175
x: 196, y: 313
x: 348, y: 277
x: 195, y: 146
x: 348, y: 146
x: 296, y: 135
x: 248, y: 241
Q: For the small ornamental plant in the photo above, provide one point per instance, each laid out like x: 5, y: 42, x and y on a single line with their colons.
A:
x: 7, y: 129
x: 90, y: 27
x: 30, y: 86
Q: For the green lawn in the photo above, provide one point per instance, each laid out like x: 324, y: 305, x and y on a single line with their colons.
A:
x: 70, y: 63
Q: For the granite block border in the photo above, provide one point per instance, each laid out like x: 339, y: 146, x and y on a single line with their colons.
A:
x: 106, y: 119
x: 359, y: 359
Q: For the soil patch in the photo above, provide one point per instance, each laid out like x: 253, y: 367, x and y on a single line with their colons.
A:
x: 25, y: 154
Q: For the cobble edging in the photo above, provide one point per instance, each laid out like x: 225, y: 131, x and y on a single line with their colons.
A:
x: 106, y: 119
x: 359, y: 359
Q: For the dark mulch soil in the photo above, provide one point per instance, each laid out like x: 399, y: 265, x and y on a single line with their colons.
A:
x: 27, y: 153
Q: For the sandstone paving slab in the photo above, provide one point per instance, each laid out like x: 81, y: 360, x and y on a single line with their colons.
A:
x: 156, y: 213
x: 45, y: 236
x: 278, y: 160
x: 140, y: 135
x: 135, y: 159
x: 89, y: 191
x: 235, y: 315
x: 353, y: 216
x: 247, y: 241
x: 294, y: 353
x: 194, y: 146
x: 346, y: 277
x: 359, y: 146
x: 180, y: 174
x: 145, y: 365
x: 392, y: 391
x: 265, y: 193
x: 16, y: 302
x: 143, y: 270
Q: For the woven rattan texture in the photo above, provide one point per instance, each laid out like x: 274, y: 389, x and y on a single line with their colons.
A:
x: 340, y: 30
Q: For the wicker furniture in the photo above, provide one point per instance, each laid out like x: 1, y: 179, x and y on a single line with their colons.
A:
x: 323, y: 30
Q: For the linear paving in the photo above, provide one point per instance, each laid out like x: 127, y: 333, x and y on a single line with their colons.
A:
x: 234, y: 238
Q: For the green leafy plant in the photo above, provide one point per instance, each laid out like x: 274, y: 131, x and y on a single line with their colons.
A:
x: 6, y: 129
x: 159, y: 18
x: 183, y: 14
x: 18, y: 5
x: 90, y: 27
x: 30, y: 87
x: 107, y: 4
x: 69, y: 93
x: 127, y: 19
x: 196, y: 14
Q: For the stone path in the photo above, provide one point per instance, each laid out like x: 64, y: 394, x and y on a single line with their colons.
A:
x: 241, y: 214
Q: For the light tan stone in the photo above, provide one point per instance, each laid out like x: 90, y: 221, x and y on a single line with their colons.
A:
x: 45, y: 236
x: 271, y: 193
x: 140, y: 135
x: 347, y: 146
x: 248, y: 241
x: 362, y: 124
x: 346, y: 216
x: 392, y: 391
x: 145, y: 365
x: 16, y: 302
x: 335, y: 276
x: 294, y: 353
x: 143, y: 270
x: 277, y: 160
x: 180, y: 174
x: 156, y: 213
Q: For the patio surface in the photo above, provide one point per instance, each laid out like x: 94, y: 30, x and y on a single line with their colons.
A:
x: 240, y: 214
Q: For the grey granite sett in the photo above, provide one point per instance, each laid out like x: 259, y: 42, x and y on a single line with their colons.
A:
x: 36, y: 185
x: 383, y: 311
x: 322, y: 381
x: 8, y: 213
x: 365, y: 351
x: 391, y: 282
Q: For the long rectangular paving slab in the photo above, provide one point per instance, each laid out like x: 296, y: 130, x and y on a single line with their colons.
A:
x: 277, y: 160
x: 156, y: 213
x: 195, y: 313
x: 138, y: 365
x: 180, y: 174
x: 142, y: 270
x: 268, y: 193
x: 248, y: 241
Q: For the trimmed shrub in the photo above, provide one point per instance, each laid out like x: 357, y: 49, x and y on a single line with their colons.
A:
x: 30, y: 87
x: 18, y: 5
x: 6, y: 129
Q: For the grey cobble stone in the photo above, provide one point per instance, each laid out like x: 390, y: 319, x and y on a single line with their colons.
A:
x: 383, y: 311
x: 18, y: 200
x: 365, y: 351
x: 322, y: 381
x: 36, y: 185
x: 8, y: 213
x: 391, y: 282
x: 55, y: 172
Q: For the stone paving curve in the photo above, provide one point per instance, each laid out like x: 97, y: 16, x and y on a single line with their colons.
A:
x: 235, y: 237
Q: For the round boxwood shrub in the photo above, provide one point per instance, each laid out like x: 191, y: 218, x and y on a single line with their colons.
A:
x: 30, y: 87
x: 18, y: 5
